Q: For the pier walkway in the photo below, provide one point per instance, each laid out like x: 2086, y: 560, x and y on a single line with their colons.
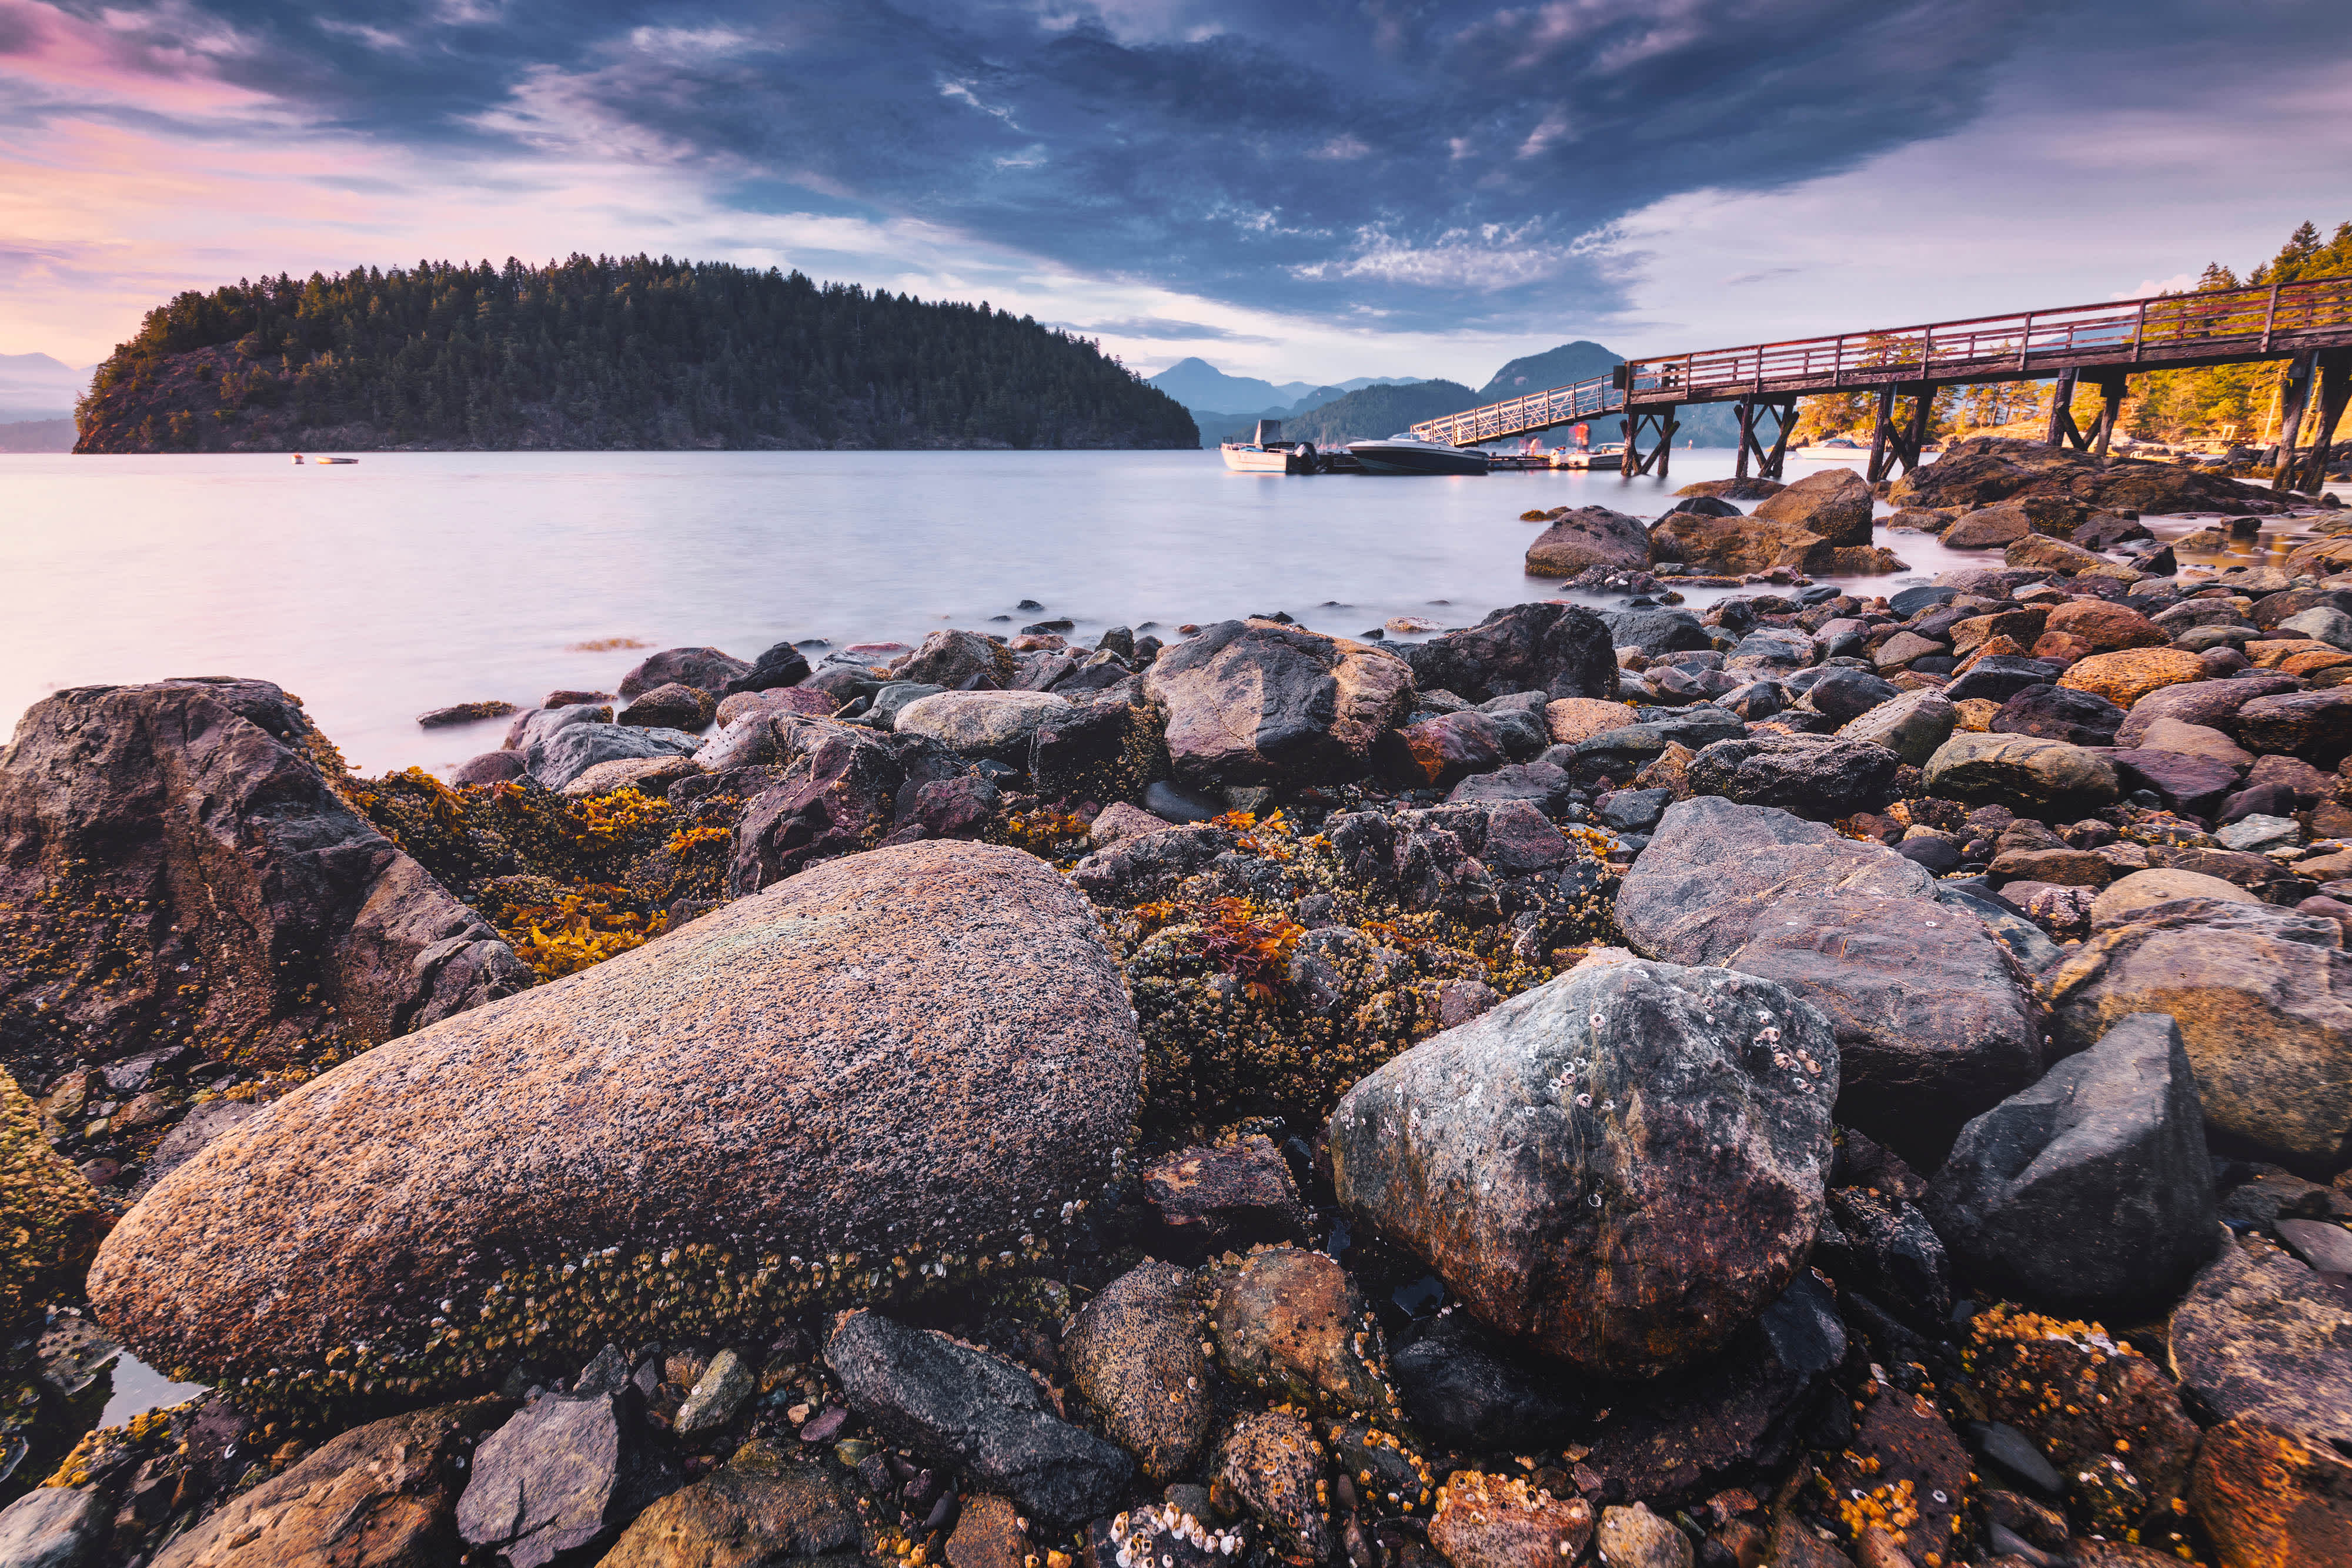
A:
x: 2308, y: 323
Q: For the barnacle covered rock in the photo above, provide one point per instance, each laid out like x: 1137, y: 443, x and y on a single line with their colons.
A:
x: 901, y: 1068
x: 49, y: 1218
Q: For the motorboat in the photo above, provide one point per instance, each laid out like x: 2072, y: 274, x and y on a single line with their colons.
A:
x: 1608, y: 455
x: 1408, y: 453
x: 338, y: 460
x: 1269, y: 453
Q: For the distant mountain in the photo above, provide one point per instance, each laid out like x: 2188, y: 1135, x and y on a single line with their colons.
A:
x: 1370, y: 412
x: 1196, y: 383
x: 34, y: 386
x: 37, y: 435
x: 605, y: 353
x: 1563, y: 366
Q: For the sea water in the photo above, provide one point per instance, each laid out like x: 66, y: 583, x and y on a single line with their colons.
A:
x: 413, y: 580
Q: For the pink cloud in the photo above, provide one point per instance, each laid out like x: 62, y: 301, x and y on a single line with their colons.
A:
x: 45, y: 48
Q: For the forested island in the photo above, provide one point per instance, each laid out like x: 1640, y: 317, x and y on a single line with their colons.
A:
x: 604, y: 352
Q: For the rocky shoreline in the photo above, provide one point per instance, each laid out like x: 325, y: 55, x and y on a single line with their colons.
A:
x: 1826, y: 1079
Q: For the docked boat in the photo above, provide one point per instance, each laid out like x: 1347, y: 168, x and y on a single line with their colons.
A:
x: 1269, y: 453
x: 1408, y: 453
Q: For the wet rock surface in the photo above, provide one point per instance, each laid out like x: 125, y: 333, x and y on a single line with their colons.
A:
x: 1640, y: 1173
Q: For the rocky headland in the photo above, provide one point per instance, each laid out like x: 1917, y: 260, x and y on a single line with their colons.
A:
x: 1825, y: 1079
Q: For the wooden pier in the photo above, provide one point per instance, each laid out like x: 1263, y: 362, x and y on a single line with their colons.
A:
x: 2308, y: 323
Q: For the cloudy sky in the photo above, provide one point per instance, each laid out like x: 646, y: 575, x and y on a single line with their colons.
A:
x: 1306, y: 189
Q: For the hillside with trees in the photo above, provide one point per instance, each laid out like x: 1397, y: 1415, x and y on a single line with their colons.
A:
x: 1370, y: 412
x: 604, y: 352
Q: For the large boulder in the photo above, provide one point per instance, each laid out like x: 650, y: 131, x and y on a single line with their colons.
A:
x: 1834, y: 503
x: 954, y: 1403
x: 706, y: 669
x: 1987, y: 468
x: 998, y: 726
x: 1656, y: 632
x: 2094, y: 1184
x: 2269, y: 1498
x: 1932, y: 1023
x: 2263, y: 998
x: 2125, y: 676
x: 1714, y: 868
x: 2028, y: 774
x: 181, y: 841
x: 2056, y: 713
x: 781, y: 666
x: 735, y: 1120
x: 1617, y: 1169
x: 1590, y: 536
x: 1256, y: 702
x: 1560, y: 650
x: 2315, y: 726
x: 1812, y: 776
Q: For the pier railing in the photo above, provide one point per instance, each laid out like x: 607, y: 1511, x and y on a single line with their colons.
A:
x: 2164, y: 331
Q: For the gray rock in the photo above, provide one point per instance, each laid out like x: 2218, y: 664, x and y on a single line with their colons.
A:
x: 1561, y: 650
x: 1654, y: 632
x: 967, y: 1408
x: 1466, y: 1389
x: 2032, y: 777
x: 839, y: 793
x: 2258, y: 1336
x: 1590, y: 536
x: 1812, y: 776
x: 557, y: 758
x: 958, y: 662
x: 998, y: 726
x: 1911, y: 725
x: 561, y: 1476
x: 2325, y: 1247
x: 716, y: 1394
x: 2324, y: 622
x: 53, y: 1527
x: 1638, y: 1172
x: 2230, y: 974
x: 1713, y: 868
x: 1932, y: 1024
x: 884, y: 711
x: 539, y: 723
x: 1253, y: 702
x: 1846, y: 694
x: 2027, y: 944
x: 2093, y: 1185
x: 2214, y: 703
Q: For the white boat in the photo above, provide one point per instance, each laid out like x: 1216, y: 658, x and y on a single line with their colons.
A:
x: 1269, y: 453
x: 338, y: 459
x: 1608, y: 456
x: 1408, y: 453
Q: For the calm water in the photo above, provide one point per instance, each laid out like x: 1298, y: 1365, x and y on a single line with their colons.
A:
x: 413, y: 580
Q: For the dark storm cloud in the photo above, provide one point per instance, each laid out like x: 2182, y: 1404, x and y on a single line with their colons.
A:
x: 1393, y: 163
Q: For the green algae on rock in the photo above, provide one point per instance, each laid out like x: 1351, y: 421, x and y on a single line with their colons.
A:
x: 892, y: 1072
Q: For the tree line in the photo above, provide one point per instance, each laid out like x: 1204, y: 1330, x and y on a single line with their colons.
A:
x: 627, y: 351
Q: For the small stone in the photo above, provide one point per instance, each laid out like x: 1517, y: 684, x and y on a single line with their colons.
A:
x: 1290, y: 1319
x: 2260, y: 1337
x: 2272, y: 1500
x: 2326, y: 1247
x: 1484, y: 1520
x: 1208, y: 1200
x: 1636, y: 1538
x: 754, y: 1512
x: 989, y: 1533
x: 2258, y: 833
x: 1271, y: 1465
x: 720, y: 1393
x: 560, y: 1476
x: 1135, y: 1358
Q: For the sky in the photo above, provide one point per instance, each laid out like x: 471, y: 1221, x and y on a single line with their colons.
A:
x: 1305, y: 191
